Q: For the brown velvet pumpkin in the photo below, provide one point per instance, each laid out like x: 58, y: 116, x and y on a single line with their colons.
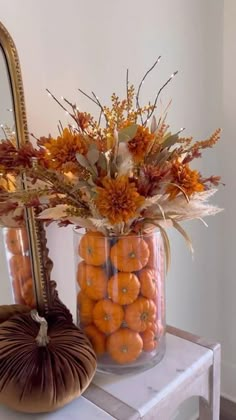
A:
x: 7, y: 311
x: 43, y: 365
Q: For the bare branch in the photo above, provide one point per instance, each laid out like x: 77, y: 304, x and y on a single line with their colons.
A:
x: 62, y: 106
x: 87, y: 96
x: 158, y: 94
x: 101, y: 107
x: 142, y: 81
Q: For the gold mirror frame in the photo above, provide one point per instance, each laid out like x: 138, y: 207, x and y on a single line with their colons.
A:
x: 41, y: 264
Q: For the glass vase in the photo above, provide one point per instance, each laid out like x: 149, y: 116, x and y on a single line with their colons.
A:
x: 19, y: 265
x: 120, y: 285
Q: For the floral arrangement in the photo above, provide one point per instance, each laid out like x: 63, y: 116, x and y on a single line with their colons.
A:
x: 124, y: 172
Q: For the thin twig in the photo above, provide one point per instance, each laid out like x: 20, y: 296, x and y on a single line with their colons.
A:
x: 158, y: 94
x: 73, y: 129
x: 95, y: 101
x: 127, y: 91
x: 57, y: 101
x: 101, y: 107
x: 87, y: 96
x: 61, y: 126
x: 73, y: 106
x: 180, y: 131
x: 100, y: 117
x: 62, y: 106
x: 34, y: 137
x: 59, y: 129
x: 141, y: 83
x: 4, y: 132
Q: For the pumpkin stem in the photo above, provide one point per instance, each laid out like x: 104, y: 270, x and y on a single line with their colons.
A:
x: 144, y: 316
x: 42, y: 338
x: 132, y: 254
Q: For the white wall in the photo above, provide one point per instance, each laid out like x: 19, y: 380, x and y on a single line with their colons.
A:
x: 66, y: 45
x: 228, y: 283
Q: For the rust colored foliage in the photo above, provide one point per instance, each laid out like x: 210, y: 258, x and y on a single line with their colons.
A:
x: 183, y: 179
x: 139, y: 145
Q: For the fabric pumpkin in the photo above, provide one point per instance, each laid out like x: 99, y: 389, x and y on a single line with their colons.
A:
x: 43, y: 375
x: 7, y: 311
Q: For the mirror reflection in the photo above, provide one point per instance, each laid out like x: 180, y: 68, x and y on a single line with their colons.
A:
x: 7, y: 119
x: 7, y: 130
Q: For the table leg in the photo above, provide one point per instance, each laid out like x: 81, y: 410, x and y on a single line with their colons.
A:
x: 205, y: 411
x: 211, y: 410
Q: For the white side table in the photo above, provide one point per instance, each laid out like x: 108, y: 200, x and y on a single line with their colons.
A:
x: 190, y: 367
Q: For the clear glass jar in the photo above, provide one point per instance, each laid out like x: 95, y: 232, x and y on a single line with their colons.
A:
x: 121, y: 298
x: 19, y: 265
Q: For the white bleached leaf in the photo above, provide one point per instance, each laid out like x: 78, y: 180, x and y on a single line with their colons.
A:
x: 125, y: 167
x: 82, y: 222
x: 196, y: 208
x: 124, y: 160
x: 153, y: 124
x: 55, y: 213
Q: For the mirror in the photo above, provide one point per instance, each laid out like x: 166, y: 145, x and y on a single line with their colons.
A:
x: 26, y: 275
x: 7, y: 121
x: 7, y: 124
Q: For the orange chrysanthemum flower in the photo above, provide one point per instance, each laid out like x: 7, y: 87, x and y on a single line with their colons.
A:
x: 118, y: 199
x: 185, y: 179
x: 139, y: 145
x: 62, y: 151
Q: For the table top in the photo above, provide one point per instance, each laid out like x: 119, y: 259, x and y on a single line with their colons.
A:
x: 80, y: 408
x: 137, y: 393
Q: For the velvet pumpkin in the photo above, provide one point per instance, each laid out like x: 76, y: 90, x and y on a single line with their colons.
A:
x: 7, y: 311
x: 43, y: 364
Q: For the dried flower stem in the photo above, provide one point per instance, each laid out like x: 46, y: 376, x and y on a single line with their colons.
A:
x: 62, y: 106
x: 34, y: 137
x: 4, y: 132
x: 58, y: 186
x: 87, y: 96
x: 141, y: 83
x: 101, y: 107
x: 100, y: 117
x: 158, y: 94
x: 60, y: 123
x: 70, y: 103
x: 127, y: 91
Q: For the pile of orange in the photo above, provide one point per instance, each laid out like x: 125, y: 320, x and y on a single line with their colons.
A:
x: 120, y: 293
x: 17, y: 246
